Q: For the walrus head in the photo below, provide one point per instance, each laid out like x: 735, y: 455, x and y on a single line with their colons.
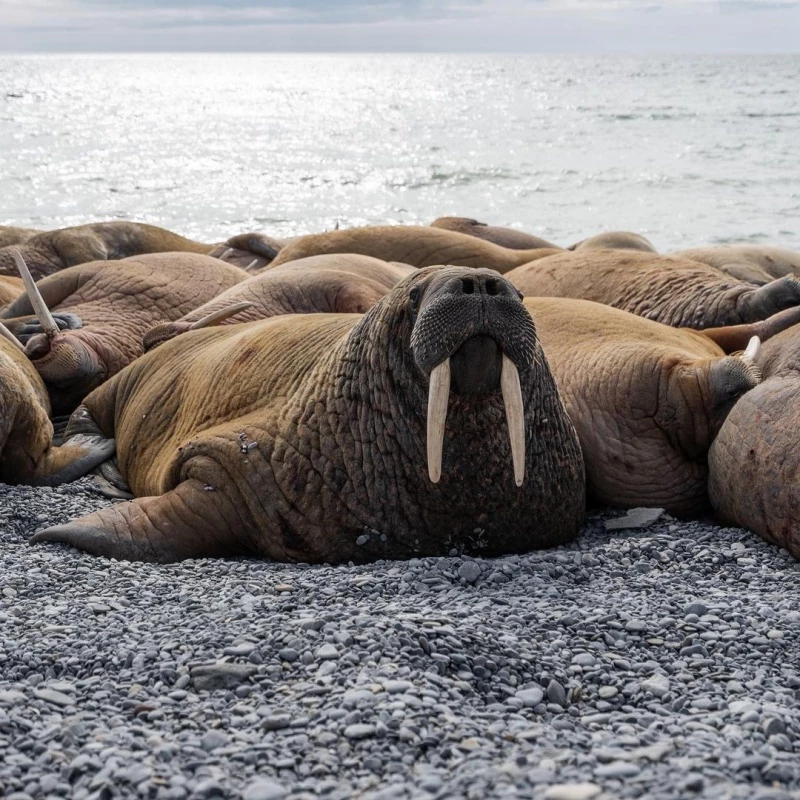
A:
x: 459, y: 424
x: 471, y: 335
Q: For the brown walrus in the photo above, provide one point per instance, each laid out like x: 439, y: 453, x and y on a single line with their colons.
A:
x: 10, y: 289
x: 112, y: 306
x: 11, y: 235
x: 505, y: 237
x: 27, y: 454
x: 662, y: 288
x: 645, y: 399
x: 615, y: 240
x: 340, y: 283
x: 417, y: 245
x: 749, y: 262
x: 51, y: 251
x: 755, y: 460
x: 304, y: 438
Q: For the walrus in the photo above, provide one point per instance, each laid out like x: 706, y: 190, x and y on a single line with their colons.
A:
x: 615, y: 240
x: 340, y: 283
x: 10, y: 234
x: 748, y: 262
x: 645, y: 399
x: 50, y: 251
x: 510, y: 238
x: 109, y: 308
x: 251, y: 251
x: 27, y: 454
x: 304, y: 437
x: 417, y: 245
x: 674, y: 291
x: 754, y: 461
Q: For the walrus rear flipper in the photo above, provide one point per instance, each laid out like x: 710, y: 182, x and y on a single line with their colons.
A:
x: 187, y: 522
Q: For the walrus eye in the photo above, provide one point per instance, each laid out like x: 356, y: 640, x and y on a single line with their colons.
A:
x: 413, y: 299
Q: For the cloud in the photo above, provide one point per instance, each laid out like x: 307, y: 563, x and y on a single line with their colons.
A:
x: 501, y: 25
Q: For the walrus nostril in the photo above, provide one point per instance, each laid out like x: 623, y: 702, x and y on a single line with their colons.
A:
x: 467, y: 286
x: 492, y: 287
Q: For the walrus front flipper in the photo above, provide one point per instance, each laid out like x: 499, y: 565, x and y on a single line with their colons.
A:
x: 73, y: 460
x: 736, y: 337
x: 187, y: 522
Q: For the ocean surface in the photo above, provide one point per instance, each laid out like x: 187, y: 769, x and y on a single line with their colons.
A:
x: 685, y: 150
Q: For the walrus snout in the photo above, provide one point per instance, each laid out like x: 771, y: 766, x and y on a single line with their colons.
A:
x: 471, y: 334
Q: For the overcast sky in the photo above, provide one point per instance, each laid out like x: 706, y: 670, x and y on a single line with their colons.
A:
x: 638, y: 26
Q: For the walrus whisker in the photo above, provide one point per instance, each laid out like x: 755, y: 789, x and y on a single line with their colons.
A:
x: 37, y: 301
x: 515, y: 416
x: 438, y: 396
x: 219, y: 315
x: 10, y: 336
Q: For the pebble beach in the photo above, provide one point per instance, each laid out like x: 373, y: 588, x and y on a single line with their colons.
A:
x: 656, y: 662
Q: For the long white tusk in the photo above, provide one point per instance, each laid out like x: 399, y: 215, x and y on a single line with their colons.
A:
x: 225, y: 254
x: 218, y: 316
x: 5, y: 332
x: 515, y: 416
x: 753, y: 349
x: 36, y: 299
x: 438, y: 396
x: 251, y: 264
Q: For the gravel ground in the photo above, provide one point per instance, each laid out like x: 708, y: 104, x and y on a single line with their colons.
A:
x: 659, y: 663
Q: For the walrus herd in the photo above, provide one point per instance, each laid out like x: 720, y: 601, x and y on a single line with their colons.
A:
x: 394, y: 391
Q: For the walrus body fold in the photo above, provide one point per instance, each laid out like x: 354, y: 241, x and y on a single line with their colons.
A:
x: 305, y: 437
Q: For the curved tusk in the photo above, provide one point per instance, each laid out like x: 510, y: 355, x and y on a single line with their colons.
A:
x: 753, y: 349
x: 6, y: 333
x: 35, y: 297
x: 218, y: 316
x: 225, y: 254
x: 515, y: 416
x: 438, y: 396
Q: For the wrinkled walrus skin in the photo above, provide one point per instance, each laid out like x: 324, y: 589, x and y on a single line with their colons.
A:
x: 116, y: 305
x: 50, y: 251
x: 505, y: 237
x: 645, y: 399
x: 341, y: 283
x: 417, y: 245
x: 680, y: 293
x: 755, y: 459
x: 26, y: 434
x: 748, y: 262
x: 303, y: 438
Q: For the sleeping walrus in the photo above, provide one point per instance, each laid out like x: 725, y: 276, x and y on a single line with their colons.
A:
x: 107, y: 309
x: 27, y: 454
x: 755, y: 459
x: 749, y: 262
x: 50, y: 251
x: 417, y: 245
x: 304, y: 438
x: 340, y: 283
x: 670, y: 290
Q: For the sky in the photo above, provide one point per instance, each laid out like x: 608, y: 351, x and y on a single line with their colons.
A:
x: 565, y: 26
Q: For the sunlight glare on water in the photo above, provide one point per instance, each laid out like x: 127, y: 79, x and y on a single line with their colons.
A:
x: 685, y: 150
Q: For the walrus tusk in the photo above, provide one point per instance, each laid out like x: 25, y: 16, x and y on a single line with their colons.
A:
x: 218, y: 316
x: 753, y: 349
x: 438, y: 396
x: 36, y: 299
x: 10, y: 336
x: 251, y: 264
x: 512, y: 399
x: 225, y: 254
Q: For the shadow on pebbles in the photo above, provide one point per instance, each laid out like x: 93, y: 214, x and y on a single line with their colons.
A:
x: 660, y: 662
